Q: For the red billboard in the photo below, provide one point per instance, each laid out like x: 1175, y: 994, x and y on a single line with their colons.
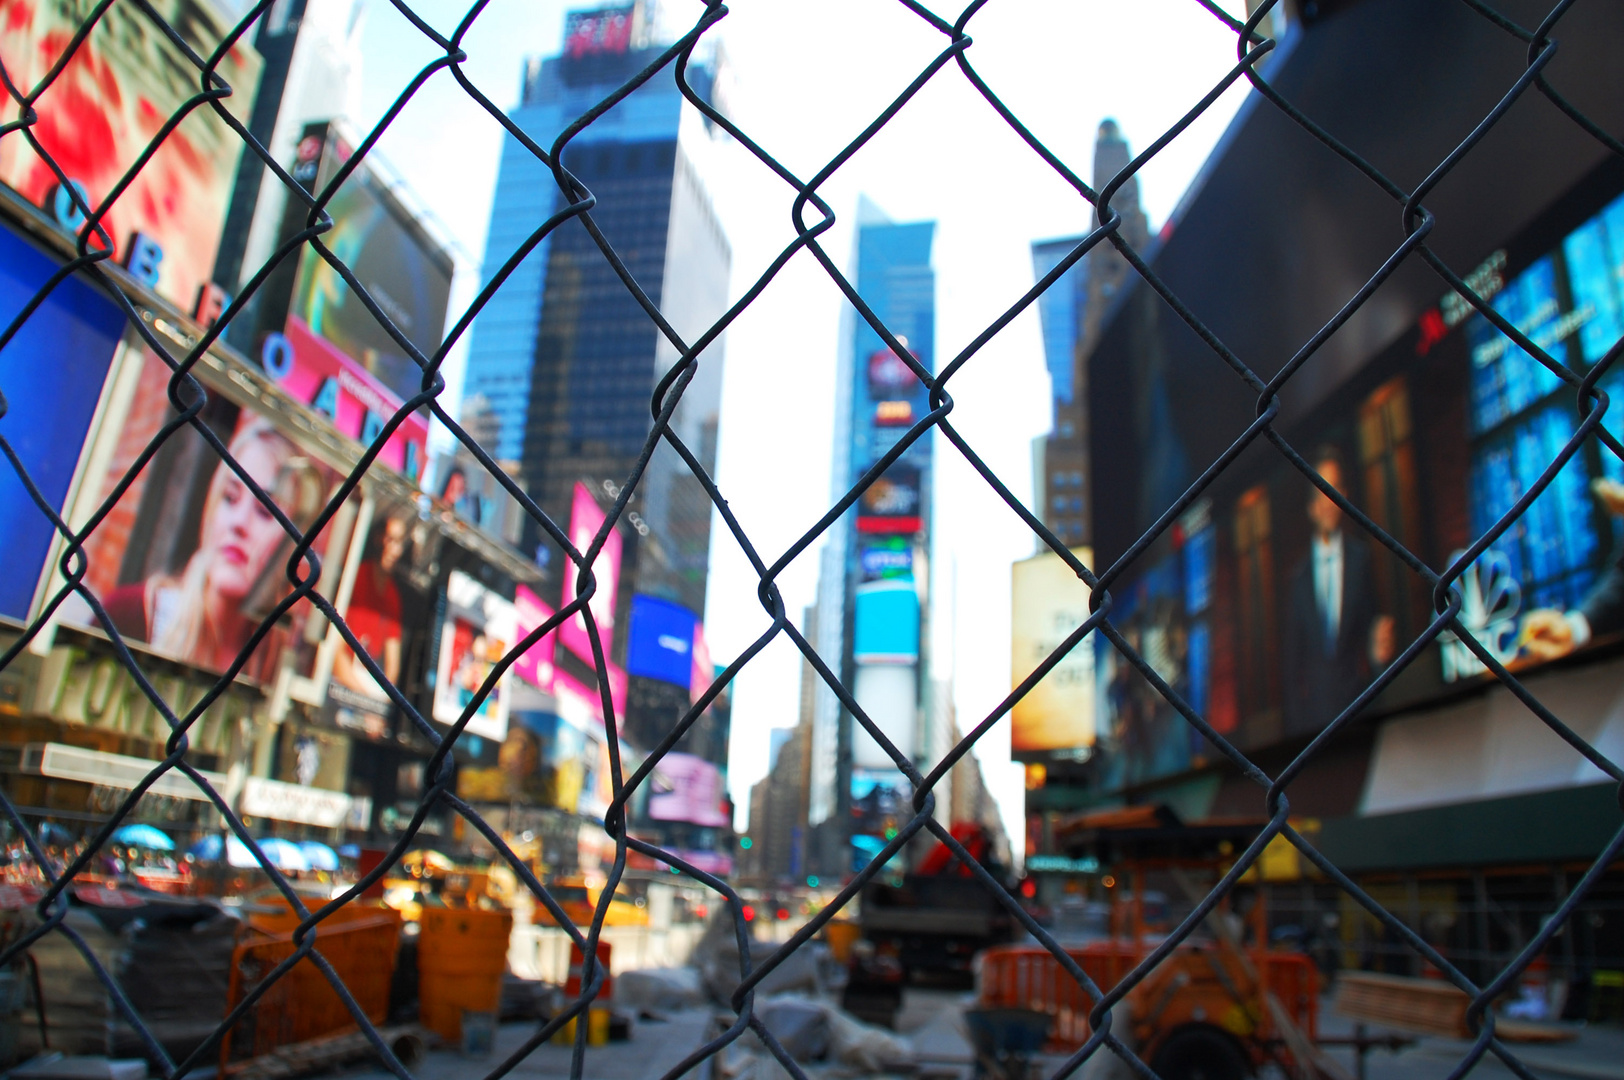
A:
x: 120, y: 86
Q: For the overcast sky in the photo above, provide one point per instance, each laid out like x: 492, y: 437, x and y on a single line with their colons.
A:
x: 808, y: 77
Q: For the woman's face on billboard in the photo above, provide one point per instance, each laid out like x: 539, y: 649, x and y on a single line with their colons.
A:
x: 241, y: 535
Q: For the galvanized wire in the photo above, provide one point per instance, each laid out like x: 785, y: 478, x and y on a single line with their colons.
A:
x: 813, y: 217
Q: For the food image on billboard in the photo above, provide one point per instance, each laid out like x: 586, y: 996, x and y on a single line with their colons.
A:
x: 52, y: 371
x: 105, y: 107
x: 687, y: 788
x: 893, y: 503
x: 1048, y: 603
x: 660, y: 642
x: 189, y: 562
x: 407, y: 274
x: 477, y: 632
x: 586, y: 518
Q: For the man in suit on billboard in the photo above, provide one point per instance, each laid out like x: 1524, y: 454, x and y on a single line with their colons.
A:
x: 1336, y: 639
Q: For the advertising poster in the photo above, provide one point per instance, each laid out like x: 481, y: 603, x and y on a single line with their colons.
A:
x: 119, y: 88
x: 893, y: 503
x: 879, y: 807
x: 601, y: 30
x: 686, y: 788
x: 407, y: 274
x: 477, y: 632
x: 1270, y: 612
x: 1049, y: 602
x: 387, y: 611
x: 586, y: 518
x: 886, y: 624
x: 189, y: 562
x: 52, y: 372
x: 660, y: 641
x: 536, y: 665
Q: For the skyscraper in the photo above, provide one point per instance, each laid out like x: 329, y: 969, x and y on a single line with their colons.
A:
x: 564, y: 358
x: 874, y: 571
x: 1072, y: 311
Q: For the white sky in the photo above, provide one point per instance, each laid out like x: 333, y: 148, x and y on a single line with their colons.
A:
x: 808, y: 76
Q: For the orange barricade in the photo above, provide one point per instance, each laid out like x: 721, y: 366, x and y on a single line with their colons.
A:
x: 461, y: 955
x: 359, y: 942
x: 1202, y: 980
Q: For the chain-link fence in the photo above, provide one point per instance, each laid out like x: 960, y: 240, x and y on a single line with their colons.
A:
x: 187, y: 356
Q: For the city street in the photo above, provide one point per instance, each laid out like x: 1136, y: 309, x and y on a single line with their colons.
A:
x: 930, y: 1019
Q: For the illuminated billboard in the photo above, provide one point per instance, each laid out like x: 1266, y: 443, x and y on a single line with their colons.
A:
x: 1270, y: 613
x: 893, y: 503
x: 586, y: 518
x: 477, y: 632
x: 106, y: 105
x: 1048, y: 603
x: 401, y: 267
x: 684, y: 787
x: 660, y: 641
x: 52, y: 371
x: 189, y: 562
x: 601, y: 30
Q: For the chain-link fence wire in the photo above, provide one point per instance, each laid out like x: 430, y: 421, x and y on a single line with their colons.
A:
x: 812, y: 217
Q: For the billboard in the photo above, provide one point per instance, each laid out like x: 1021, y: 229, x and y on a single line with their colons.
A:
x: 586, y: 518
x: 1049, y: 602
x: 405, y: 271
x: 1270, y: 613
x: 535, y: 666
x: 886, y: 626
x: 879, y: 807
x: 660, y: 641
x: 684, y: 787
x: 189, y: 562
x: 888, y: 558
x: 317, y: 374
x: 52, y: 371
x: 388, y: 610
x: 602, y: 30
x: 893, y: 503
x: 122, y: 84
x: 477, y: 632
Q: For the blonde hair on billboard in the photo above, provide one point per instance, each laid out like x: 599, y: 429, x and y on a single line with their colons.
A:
x: 296, y: 489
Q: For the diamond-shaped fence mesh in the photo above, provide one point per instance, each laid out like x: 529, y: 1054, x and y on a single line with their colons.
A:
x: 256, y: 478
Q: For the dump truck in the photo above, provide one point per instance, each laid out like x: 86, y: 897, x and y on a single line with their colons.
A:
x: 928, y: 929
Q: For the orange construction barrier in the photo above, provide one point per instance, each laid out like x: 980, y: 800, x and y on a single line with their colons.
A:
x: 360, y: 944
x: 1199, y: 979
x: 461, y: 954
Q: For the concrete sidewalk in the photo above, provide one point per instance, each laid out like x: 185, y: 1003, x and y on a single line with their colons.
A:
x: 1596, y: 1053
x: 654, y: 1049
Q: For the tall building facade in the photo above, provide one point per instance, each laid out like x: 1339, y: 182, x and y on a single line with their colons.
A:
x: 1072, y: 311
x: 871, y: 605
x: 564, y: 359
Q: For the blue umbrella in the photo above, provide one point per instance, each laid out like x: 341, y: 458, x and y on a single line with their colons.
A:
x: 237, y: 853
x: 144, y: 836
x: 319, y: 855
x: 284, y: 854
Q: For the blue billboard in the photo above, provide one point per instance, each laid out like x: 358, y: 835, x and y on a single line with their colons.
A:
x: 660, y: 641
x: 51, y: 375
x: 887, y: 630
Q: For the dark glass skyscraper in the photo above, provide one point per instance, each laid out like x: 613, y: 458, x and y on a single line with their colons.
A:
x: 564, y: 357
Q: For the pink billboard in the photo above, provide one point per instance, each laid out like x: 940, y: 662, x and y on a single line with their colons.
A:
x: 586, y: 518
x: 687, y: 788
x: 356, y: 401
x: 536, y: 665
